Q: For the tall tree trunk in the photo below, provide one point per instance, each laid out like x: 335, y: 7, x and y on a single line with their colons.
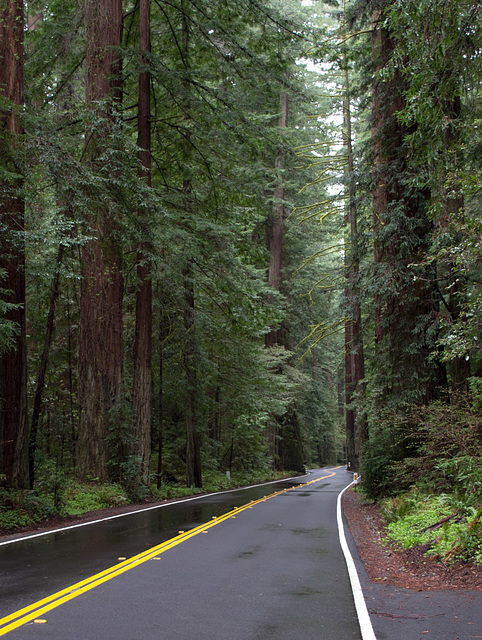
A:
x: 72, y: 394
x: 284, y: 436
x: 101, y: 351
x: 459, y: 366
x: 275, y: 225
x: 39, y: 389
x: 142, y: 390
x: 13, y: 363
x: 193, y: 439
x: 382, y: 46
x: 356, y: 430
x: 350, y: 431
x: 406, y: 304
x: 274, y: 244
x: 160, y: 437
x: 193, y: 444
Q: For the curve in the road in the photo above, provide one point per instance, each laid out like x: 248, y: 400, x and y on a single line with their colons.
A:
x: 360, y: 604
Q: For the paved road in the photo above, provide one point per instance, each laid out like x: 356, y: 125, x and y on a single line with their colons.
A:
x: 273, y: 570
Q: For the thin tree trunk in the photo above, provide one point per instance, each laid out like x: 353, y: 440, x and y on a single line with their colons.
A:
x: 193, y: 440
x: 275, y: 225
x: 37, y: 402
x: 73, y: 430
x: 459, y: 366
x: 101, y: 351
x: 349, y: 411
x: 142, y: 389
x: 160, y: 437
x: 356, y: 430
x: 193, y: 448
x: 13, y: 362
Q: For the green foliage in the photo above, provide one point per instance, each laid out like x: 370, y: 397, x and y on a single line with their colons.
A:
x: 82, y: 498
x: 8, y: 329
x: 466, y: 545
x: 428, y: 446
x: 417, y: 519
x: 217, y: 481
x: 385, y: 448
x: 395, y: 509
x: 411, y: 515
x: 464, y: 474
x: 24, y: 508
x: 436, y: 452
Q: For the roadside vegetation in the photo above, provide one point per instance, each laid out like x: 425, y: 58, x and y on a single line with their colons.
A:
x: 68, y: 497
x: 448, y: 530
x: 426, y: 473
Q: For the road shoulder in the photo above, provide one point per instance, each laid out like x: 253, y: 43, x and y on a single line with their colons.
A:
x: 405, y: 597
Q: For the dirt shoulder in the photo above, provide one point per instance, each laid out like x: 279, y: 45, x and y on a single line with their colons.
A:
x: 387, y: 563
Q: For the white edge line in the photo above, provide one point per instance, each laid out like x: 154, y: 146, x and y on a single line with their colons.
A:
x: 360, y: 604
x: 130, y: 513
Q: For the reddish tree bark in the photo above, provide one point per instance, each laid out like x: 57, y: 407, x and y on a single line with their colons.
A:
x: 406, y: 305
x: 101, y: 330
x: 193, y: 436
x: 13, y: 366
x: 274, y: 243
x: 142, y: 389
x: 356, y: 429
x: 160, y: 403
x: 284, y: 435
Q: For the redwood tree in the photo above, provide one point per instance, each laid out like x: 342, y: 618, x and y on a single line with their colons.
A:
x: 356, y: 430
x: 142, y: 389
x: 284, y: 437
x: 13, y: 371
x: 406, y: 302
x: 191, y: 401
x: 101, y: 327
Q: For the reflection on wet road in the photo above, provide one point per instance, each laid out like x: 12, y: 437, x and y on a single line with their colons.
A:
x: 31, y: 569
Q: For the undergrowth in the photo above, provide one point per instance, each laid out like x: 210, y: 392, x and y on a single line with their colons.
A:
x: 70, y: 497
x: 450, y: 530
x: 216, y: 481
x: 424, y: 465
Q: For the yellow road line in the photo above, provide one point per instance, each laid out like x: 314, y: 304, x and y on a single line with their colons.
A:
x: 33, y: 611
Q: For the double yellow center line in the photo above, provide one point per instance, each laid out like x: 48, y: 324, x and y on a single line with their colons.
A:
x: 37, y: 609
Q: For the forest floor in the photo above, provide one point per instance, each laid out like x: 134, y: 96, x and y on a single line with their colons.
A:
x: 388, y: 563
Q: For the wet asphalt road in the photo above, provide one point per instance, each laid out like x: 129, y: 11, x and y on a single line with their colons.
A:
x: 274, y: 571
